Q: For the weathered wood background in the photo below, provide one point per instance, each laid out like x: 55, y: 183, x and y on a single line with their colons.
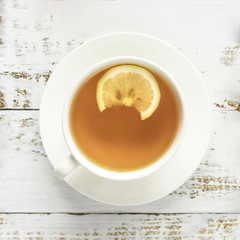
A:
x: 34, y: 36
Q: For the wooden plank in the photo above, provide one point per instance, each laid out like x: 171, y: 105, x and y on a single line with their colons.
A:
x: 34, y: 38
x: 122, y: 227
x: 28, y: 184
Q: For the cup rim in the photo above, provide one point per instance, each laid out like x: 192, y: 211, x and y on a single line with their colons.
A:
x: 128, y: 175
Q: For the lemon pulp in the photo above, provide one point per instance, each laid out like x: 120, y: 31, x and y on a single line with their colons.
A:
x: 130, y: 86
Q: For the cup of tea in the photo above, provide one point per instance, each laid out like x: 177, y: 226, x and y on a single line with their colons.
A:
x: 123, y: 119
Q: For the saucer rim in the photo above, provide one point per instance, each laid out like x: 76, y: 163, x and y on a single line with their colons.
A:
x: 88, y: 192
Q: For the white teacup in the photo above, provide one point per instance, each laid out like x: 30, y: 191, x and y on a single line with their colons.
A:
x: 77, y: 159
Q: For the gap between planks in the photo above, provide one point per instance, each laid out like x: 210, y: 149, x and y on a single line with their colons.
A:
x: 37, y: 109
x: 118, y: 213
x: 19, y: 109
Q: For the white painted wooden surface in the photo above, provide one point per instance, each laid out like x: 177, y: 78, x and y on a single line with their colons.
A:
x: 124, y: 227
x: 34, y: 36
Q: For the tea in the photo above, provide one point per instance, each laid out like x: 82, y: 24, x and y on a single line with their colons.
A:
x: 117, y: 139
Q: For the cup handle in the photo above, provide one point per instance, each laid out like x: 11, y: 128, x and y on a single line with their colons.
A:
x: 66, y: 167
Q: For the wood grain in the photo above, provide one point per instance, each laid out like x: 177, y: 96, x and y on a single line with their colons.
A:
x: 121, y: 227
x: 26, y: 173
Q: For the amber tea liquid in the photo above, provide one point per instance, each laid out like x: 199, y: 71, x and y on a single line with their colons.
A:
x: 117, y: 139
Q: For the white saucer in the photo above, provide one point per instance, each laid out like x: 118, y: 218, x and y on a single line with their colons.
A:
x: 189, y: 154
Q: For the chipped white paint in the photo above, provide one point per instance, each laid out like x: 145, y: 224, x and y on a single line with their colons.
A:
x: 34, y: 37
x: 109, y: 227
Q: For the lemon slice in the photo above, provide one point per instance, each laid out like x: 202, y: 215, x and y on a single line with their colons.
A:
x: 130, y: 86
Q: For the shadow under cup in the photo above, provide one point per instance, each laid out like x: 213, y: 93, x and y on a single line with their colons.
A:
x: 116, y: 143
